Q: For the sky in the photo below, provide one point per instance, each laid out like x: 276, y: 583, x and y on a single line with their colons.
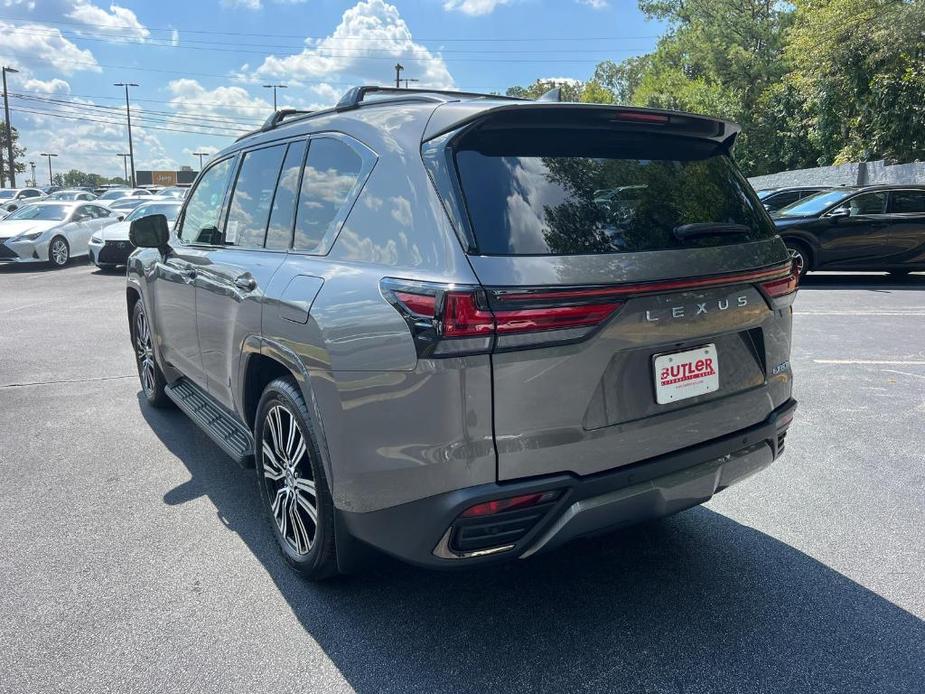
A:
x: 201, y: 64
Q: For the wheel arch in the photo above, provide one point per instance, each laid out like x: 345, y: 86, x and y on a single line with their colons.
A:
x: 807, y: 242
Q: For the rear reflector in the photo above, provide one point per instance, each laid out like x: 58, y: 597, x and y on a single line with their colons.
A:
x: 488, y: 508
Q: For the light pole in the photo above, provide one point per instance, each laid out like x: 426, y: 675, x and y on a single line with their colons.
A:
x: 274, y: 87
x: 125, y: 158
x: 9, y: 125
x: 128, y: 116
x: 398, y: 68
x: 45, y: 154
x: 406, y: 80
x: 201, y: 155
x: 34, y: 182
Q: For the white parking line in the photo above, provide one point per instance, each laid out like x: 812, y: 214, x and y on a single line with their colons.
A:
x: 871, y: 362
x: 860, y: 313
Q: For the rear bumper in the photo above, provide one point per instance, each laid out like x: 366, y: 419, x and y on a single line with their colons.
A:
x: 422, y: 532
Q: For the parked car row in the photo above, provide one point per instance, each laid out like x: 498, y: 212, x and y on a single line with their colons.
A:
x: 60, y: 226
x: 13, y: 198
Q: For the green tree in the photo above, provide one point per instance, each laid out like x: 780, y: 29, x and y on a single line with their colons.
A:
x: 18, y: 153
x: 571, y: 89
x: 859, y: 67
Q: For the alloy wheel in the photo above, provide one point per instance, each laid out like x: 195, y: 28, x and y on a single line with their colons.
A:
x: 144, y: 352
x: 59, y: 251
x: 797, y: 257
x: 288, y: 476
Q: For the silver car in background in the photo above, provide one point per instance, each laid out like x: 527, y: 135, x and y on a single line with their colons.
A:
x: 52, y: 232
x: 110, y: 246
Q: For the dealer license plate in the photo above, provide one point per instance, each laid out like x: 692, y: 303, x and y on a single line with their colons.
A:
x: 682, y: 375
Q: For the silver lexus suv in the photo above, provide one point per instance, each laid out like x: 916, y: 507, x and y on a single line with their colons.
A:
x: 463, y: 328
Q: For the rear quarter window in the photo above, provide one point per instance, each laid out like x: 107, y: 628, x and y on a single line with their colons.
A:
x: 580, y: 192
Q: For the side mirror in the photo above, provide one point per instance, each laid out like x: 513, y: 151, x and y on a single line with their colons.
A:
x: 120, y: 218
x: 149, y: 232
x: 839, y: 212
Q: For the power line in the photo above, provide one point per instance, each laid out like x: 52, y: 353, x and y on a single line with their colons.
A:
x: 533, y: 39
x: 106, y: 122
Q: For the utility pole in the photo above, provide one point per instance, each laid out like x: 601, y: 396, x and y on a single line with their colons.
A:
x: 398, y: 68
x: 201, y: 155
x: 274, y: 87
x: 406, y: 80
x: 50, y: 178
x: 125, y: 158
x: 9, y: 126
x: 128, y: 116
x: 34, y: 182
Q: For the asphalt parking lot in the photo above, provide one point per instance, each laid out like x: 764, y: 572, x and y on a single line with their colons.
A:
x: 134, y: 557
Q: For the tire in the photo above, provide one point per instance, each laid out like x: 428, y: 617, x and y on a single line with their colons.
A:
x: 800, y: 254
x: 59, y: 252
x: 149, y: 373
x: 293, y: 486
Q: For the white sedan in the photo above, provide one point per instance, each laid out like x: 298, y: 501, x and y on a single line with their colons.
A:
x: 51, y: 232
x: 111, y: 246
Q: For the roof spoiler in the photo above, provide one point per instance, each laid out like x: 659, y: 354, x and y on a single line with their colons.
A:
x: 551, y: 114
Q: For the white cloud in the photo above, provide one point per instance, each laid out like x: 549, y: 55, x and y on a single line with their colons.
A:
x: 371, y: 36
x: 473, y: 8
x: 257, y: 4
x: 52, y: 86
x: 38, y: 45
x: 594, y: 4
x: 191, y: 98
x: 174, y: 37
x: 119, y: 23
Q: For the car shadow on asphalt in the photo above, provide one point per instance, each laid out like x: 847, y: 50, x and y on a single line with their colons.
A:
x: 871, y: 280
x: 697, y: 602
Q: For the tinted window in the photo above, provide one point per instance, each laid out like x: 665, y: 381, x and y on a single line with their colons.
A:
x: 31, y: 194
x: 782, y: 200
x: 909, y: 201
x: 580, y: 192
x: 868, y: 203
x: 279, y: 233
x: 331, y: 172
x: 814, y: 204
x: 200, y: 221
x: 252, y: 197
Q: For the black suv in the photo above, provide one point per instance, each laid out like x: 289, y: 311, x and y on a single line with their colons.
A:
x: 464, y: 328
x: 858, y: 228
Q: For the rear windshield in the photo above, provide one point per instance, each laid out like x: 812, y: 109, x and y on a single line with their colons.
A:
x: 564, y: 192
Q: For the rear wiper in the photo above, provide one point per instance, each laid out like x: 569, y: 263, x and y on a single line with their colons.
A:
x: 690, y: 231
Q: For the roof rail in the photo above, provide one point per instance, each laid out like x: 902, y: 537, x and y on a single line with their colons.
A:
x: 274, y: 120
x: 355, y: 96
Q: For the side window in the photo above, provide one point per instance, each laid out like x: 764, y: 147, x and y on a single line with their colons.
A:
x: 906, y: 201
x: 279, y: 233
x: 252, y: 197
x: 82, y: 213
x: 200, y: 220
x: 868, y: 203
x: 331, y: 171
x: 98, y: 212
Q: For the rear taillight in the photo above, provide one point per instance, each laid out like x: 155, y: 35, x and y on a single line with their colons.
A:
x: 449, y: 320
x: 782, y: 286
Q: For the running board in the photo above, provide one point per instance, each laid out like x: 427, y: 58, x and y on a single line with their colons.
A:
x: 231, y: 437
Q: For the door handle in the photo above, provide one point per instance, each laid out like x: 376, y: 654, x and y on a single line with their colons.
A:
x: 245, y: 282
x: 189, y: 273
